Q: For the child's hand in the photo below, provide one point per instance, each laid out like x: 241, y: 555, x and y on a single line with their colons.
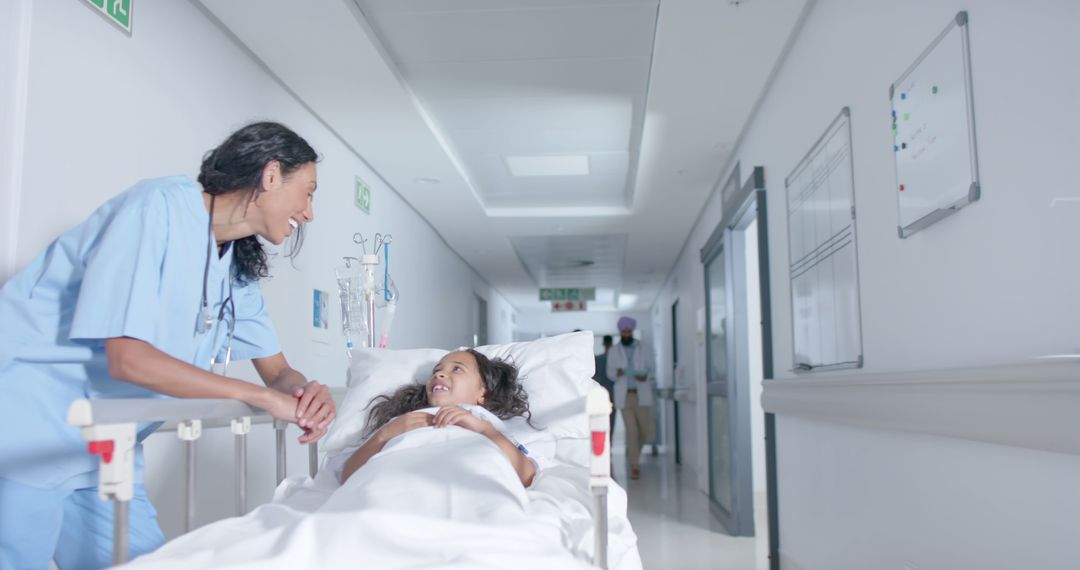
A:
x: 404, y: 423
x: 458, y: 416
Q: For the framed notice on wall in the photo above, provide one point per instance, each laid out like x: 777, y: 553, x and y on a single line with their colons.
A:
x: 933, y: 127
x: 824, y: 269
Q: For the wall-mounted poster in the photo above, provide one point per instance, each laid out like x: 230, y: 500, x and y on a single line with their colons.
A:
x: 320, y: 310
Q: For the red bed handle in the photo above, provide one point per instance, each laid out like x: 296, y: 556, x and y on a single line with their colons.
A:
x: 598, y: 442
x: 102, y: 448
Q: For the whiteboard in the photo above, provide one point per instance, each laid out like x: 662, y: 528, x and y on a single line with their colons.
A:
x: 933, y: 126
x: 826, y: 322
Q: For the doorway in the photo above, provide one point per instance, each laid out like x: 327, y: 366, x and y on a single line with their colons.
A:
x: 674, y: 378
x: 480, y: 322
x: 738, y: 354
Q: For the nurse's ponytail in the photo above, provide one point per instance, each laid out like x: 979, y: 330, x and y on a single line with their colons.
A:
x: 237, y: 165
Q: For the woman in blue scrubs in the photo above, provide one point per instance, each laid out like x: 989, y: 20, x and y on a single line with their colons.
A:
x: 136, y: 302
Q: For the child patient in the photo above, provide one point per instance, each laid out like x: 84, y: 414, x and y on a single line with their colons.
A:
x: 460, y: 378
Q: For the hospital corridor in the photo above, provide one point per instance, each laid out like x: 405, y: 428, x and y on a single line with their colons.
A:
x: 540, y: 284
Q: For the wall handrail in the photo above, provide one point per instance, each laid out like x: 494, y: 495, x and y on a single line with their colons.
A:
x: 1031, y: 405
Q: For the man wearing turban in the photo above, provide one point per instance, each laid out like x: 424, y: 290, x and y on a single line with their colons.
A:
x: 629, y: 365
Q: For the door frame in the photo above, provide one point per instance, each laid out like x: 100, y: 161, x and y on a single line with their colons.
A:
x: 480, y: 320
x: 674, y: 372
x: 739, y: 202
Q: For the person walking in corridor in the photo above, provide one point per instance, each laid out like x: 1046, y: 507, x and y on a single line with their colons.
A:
x: 630, y: 367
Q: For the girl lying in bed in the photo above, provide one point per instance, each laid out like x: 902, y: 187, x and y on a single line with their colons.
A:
x: 465, y: 378
x: 426, y: 489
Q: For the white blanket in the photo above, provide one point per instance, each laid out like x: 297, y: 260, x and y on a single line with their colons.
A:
x: 432, y: 498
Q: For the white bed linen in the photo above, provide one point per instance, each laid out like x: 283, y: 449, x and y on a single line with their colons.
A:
x: 432, y: 498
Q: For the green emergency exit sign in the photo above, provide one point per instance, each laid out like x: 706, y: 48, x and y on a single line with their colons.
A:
x: 117, y: 11
x: 363, y: 196
x: 568, y: 294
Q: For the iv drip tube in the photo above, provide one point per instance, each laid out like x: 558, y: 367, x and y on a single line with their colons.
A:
x: 386, y: 272
x: 369, y: 262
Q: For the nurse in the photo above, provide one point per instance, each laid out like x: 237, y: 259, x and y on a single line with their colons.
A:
x: 135, y: 302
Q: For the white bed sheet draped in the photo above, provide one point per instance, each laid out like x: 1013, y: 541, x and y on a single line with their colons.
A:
x: 433, y: 498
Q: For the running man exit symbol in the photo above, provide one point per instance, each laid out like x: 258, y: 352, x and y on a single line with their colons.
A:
x: 363, y: 196
x: 117, y: 11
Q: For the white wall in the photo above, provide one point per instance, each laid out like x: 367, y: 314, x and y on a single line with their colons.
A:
x: 995, y: 283
x: 14, y: 46
x: 686, y: 284
x: 105, y: 110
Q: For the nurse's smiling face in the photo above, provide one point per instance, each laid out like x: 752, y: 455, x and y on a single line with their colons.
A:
x: 286, y: 201
x: 455, y: 380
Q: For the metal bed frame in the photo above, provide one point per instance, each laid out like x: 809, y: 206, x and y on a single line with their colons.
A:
x: 109, y: 428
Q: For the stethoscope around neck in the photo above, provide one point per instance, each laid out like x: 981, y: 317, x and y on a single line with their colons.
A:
x: 206, y: 319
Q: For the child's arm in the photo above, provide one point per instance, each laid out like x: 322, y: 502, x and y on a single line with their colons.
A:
x: 525, y: 468
x: 377, y: 441
x: 454, y: 415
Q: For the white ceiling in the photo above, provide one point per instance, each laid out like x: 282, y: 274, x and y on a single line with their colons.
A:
x: 528, y: 78
x: 654, y: 93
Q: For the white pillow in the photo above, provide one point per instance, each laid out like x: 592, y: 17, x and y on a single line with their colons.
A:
x: 556, y: 373
x: 373, y: 372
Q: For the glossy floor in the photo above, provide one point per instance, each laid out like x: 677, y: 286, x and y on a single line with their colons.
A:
x: 674, y: 526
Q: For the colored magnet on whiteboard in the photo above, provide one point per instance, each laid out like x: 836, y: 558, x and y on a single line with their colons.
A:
x: 903, y: 145
x: 903, y: 96
x: 907, y: 116
x: 895, y: 148
x: 934, y: 90
x: 894, y: 114
x: 901, y: 187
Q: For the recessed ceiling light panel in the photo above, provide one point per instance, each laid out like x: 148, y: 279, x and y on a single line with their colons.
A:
x: 556, y: 165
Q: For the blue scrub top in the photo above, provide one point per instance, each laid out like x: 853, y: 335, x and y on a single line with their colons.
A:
x: 135, y: 269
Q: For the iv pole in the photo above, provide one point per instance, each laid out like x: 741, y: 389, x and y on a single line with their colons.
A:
x: 368, y: 289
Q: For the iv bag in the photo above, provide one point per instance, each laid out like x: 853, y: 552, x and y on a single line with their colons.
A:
x: 387, y: 300
x: 354, y: 321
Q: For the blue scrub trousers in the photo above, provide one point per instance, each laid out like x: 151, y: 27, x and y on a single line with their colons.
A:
x: 74, y: 527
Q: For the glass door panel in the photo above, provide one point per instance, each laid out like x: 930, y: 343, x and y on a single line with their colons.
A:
x: 719, y: 452
x: 717, y: 383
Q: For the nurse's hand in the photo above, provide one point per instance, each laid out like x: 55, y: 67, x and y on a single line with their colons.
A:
x: 282, y: 406
x: 315, y: 409
x: 279, y: 404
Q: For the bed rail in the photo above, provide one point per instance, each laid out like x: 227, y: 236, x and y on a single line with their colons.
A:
x: 109, y: 427
x: 598, y: 407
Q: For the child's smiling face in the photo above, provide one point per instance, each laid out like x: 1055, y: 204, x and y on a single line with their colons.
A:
x: 455, y: 380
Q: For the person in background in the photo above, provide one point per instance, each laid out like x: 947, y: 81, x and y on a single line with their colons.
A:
x: 629, y: 365
x: 601, y: 377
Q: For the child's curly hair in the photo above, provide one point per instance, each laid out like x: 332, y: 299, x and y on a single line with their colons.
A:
x: 504, y: 396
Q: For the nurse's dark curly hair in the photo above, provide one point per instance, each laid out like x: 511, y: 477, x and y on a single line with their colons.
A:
x: 237, y: 165
x: 504, y: 396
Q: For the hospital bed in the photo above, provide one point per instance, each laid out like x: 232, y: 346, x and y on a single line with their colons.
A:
x: 573, y: 495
